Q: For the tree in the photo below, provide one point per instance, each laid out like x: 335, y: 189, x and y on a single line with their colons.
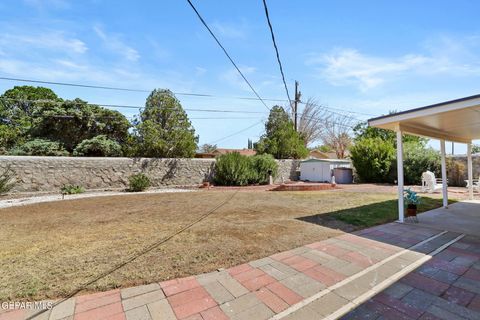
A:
x: 475, y: 148
x: 17, y: 106
x: 336, y: 133
x: 39, y: 147
x: 38, y: 113
x: 363, y: 130
x: 371, y: 151
x: 310, y: 122
x: 208, y: 148
x: 164, y: 129
x: 280, y: 138
x: 323, y: 148
x: 99, y: 146
x: 72, y: 121
x: 372, y: 159
x: 418, y: 159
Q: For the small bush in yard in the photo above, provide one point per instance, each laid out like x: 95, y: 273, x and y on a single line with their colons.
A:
x: 262, y: 165
x: 72, y: 189
x: 138, y: 182
x: 233, y: 169
x: 99, y: 146
x: 7, y: 180
x: 39, y: 147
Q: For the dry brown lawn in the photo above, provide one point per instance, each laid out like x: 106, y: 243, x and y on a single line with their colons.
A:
x: 49, y: 249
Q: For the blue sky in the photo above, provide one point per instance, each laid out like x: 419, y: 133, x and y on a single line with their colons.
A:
x: 366, y: 56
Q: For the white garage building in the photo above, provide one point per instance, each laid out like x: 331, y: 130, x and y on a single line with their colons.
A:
x: 320, y: 170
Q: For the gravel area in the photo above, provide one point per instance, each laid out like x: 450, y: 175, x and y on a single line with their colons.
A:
x: 7, y: 203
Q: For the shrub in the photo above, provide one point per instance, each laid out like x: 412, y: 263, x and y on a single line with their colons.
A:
x: 456, y: 172
x: 418, y: 159
x: 71, y: 189
x: 138, y: 182
x: 233, y: 169
x: 99, y: 146
x: 372, y: 159
x: 39, y: 147
x: 7, y: 180
x: 261, y: 166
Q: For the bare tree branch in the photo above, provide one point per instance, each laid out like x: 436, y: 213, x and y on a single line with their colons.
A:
x: 335, y: 133
x: 311, y: 121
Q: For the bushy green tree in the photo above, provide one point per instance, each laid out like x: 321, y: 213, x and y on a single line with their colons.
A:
x: 417, y: 156
x: 233, y: 169
x: 39, y: 147
x: 418, y: 159
x: 372, y: 159
x: 28, y: 113
x: 9, y: 137
x: 262, y: 166
x: 99, y: 146
x: 475, y: 148
x: 73, y: 121
x: 362, y: 131
x: 280, y: 138
x: 17, y: 106
x: 164, y: 129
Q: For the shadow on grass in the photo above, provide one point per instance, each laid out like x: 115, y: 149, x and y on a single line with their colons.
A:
x: 373, y: 214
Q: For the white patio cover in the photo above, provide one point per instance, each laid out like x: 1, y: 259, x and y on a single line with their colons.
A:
x: 457, y: 120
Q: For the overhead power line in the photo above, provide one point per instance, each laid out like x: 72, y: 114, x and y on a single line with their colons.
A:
x: 138, y: 254
x: 127, y: 106
x: 69, y: 84
x: 138, y: 107
x: 60, y: 116
x: 276, y: 50
x: 226, y: 53
x: 176, y: 93
x: 238, y: 132
x: 342, y: 110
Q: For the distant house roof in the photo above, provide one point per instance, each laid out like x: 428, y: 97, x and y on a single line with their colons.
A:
x: 220, y: 151
x: 245, y: 152
x: 317, y: 154
x: 327, y: 160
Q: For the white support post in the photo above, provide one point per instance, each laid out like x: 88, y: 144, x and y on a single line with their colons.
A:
x: 401, y: 207
x: 444, y: 174
x: 470, y: 171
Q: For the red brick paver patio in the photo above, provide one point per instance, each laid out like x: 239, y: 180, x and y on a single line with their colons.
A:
x: 326, y: 279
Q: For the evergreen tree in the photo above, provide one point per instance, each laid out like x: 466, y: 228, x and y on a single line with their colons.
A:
x: 164, y: 129
x: 280, y: 138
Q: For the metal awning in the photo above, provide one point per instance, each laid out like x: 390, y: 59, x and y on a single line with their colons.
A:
x: 456, y: 120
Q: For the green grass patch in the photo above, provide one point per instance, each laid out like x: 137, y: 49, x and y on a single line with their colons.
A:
x: 381, y: 212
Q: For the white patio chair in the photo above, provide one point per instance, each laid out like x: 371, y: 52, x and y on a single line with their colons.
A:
x: 476, y: 184
x: 429, y: 183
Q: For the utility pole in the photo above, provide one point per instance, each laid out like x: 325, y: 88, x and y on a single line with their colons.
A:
x: 295, y: 106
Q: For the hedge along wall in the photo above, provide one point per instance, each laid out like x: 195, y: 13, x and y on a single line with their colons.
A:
x: 458, y: 174
x: 46, y: 174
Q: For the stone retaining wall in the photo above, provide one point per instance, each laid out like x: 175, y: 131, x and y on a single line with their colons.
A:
x: 47, y: 174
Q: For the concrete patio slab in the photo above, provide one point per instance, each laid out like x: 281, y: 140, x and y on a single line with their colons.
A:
x: 462, y: 217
